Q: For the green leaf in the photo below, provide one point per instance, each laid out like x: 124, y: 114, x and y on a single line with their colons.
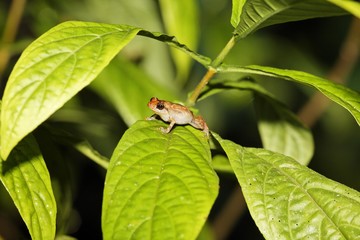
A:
x: 27, y: 180
x: 52, y: 70
x: 181, y: 20
x: 281, y: 131
x: 340, y: 94
x: 61, y: 179
x: 171, y: 41
x: 158, y: 186
x: 237, y: 8
x: 249, y: 16
x: 129, y: 89
x: 290, y: 201
x: 352, y: 7
x: 279, y: 128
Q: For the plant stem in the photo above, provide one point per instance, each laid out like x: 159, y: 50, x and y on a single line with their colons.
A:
x: 204, y: 81
x: 11, y: 28
x: 220, y: 58
x: 211, y: 70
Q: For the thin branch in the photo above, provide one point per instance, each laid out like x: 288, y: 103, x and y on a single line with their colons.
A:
x: 225, y: 221
x: 211, y: 70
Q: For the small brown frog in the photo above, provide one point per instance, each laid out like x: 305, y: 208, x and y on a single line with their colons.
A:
x: 175, y: 114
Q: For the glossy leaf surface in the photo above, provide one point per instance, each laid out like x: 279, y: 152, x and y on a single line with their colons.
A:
x: 290, y: 201
x: 53, y: 69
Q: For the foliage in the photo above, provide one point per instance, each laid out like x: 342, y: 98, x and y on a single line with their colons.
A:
x: 163, y: 186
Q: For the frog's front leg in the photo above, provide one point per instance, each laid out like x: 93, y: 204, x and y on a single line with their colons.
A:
x: 168, y: 129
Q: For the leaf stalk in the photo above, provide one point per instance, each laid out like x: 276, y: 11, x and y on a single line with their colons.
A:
x: 212, y: 70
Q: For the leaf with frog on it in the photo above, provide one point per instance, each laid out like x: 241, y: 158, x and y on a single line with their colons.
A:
x: 158, y: 186
x: 279, y: 128
x: 26, y: 178
x: 290, y: 201
x: 249, y: 16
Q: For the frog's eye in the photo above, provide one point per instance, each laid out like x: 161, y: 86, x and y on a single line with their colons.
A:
x: 160, y: 106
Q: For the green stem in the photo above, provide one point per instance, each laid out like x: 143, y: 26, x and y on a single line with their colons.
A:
x: 204, y: 81
x: 220, y: 58
x: 211, y: 70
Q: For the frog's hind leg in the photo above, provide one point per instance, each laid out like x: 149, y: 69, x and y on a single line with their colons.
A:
x: 200, y: 123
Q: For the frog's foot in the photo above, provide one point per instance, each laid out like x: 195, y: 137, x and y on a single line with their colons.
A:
x: 206, y: 132
x: 168, y: 129
x: 164, y: 130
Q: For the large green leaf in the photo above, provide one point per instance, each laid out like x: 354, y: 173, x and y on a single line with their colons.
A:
x: 181, y: 20
x: 128, y: 89
x: 158, y: 186
x: 249, y: 16
x: 52, y: 70
x: 27, y: 180
x: 290, y: 201
x: 340, y: 94
x: 279, y: 128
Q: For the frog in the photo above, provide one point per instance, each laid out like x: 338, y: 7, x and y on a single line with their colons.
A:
x: 175, y: 113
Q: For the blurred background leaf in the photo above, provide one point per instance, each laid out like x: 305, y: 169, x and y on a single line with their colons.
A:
x: 181, y: 19
x: 129, y: 99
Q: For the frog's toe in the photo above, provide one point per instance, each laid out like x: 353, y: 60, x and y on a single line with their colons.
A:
x: 164, y: 130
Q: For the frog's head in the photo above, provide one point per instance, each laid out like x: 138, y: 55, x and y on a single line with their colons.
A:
x: 156, y: 105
